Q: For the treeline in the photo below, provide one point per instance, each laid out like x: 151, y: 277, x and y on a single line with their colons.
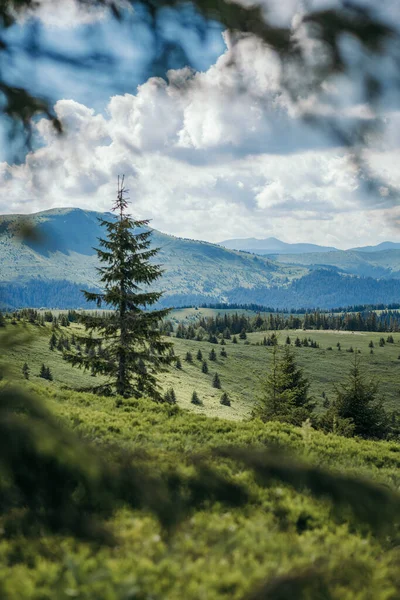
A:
x: 322, y: 289
x: 294, y: 311
x: 226, y: 325
x: 43, y: 294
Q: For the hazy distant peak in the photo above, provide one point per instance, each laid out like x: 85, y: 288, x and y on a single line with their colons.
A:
x: 272, y: 245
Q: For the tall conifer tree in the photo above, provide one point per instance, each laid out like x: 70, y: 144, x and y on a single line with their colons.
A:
x: 136, y: 351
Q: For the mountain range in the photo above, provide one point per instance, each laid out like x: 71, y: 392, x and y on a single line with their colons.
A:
x: 49, y: 268
x: 274, y: 246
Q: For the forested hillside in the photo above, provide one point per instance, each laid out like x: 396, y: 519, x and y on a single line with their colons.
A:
x: 51, y: 269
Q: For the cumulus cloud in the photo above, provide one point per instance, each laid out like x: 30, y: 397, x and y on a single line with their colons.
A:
x: 208, y: 155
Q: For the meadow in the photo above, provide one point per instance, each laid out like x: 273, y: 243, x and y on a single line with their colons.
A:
x: 283, y: 535
x: 244, y: 368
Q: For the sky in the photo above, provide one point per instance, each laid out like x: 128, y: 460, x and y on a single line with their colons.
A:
x: 208, y: 152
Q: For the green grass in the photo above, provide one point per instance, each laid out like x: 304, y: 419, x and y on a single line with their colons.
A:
x: 217, y: 553
x: 242, y: 371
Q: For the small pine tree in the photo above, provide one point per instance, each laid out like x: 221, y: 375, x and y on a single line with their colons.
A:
x: 199, y: 355
x: 288, y: 341
x: 45, y: 373
x: 195, y: 399
x: 216, y: 381
x: 285, y: 394
x: 222, y: 342
x: 25, y: 371
x: 53, y: 342
x: 225, y: 401
x: 178, y: 363
x: 356, y: 403
x: 381, y: 342
x: 243, y: 335
x: 189, y: 357
x: 390, y: 339
x: 234, y: 340
x: 204, y: 367
x: 223, y: 353
x: 371, y: 344
x: 170, y: 396
x: 212, y: 355
x: 297, y: 342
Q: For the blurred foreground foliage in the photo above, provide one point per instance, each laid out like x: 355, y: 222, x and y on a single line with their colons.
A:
x: 149, y: 501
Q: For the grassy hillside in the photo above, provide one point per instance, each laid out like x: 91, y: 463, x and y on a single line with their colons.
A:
x: 63, y: 250
x: 242, y: 371
x: 217, y: 553
x: 51, y: 268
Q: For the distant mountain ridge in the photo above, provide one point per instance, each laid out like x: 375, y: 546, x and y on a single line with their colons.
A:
x: 274, y: 246
x: 51, y: 268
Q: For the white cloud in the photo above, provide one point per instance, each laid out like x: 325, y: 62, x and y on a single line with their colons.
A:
x: 208, y: 155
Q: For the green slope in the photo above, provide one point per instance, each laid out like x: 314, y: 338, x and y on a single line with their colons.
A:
x: 218, y: 552
x: 64, y: 250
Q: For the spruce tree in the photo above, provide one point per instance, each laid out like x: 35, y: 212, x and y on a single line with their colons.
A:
x: 216, y: 381
x: 357, y: 404
x: 225, y: 401
x: 170, y: 396
x: 195, y: 399
x: 204, y: 367
x: 25, y: 371
x: 189, y: 357
x: 53, y: 341
x: 43, y: 371
x: 136, y: 350
x: 212, y: 355
x: 285, y: 391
